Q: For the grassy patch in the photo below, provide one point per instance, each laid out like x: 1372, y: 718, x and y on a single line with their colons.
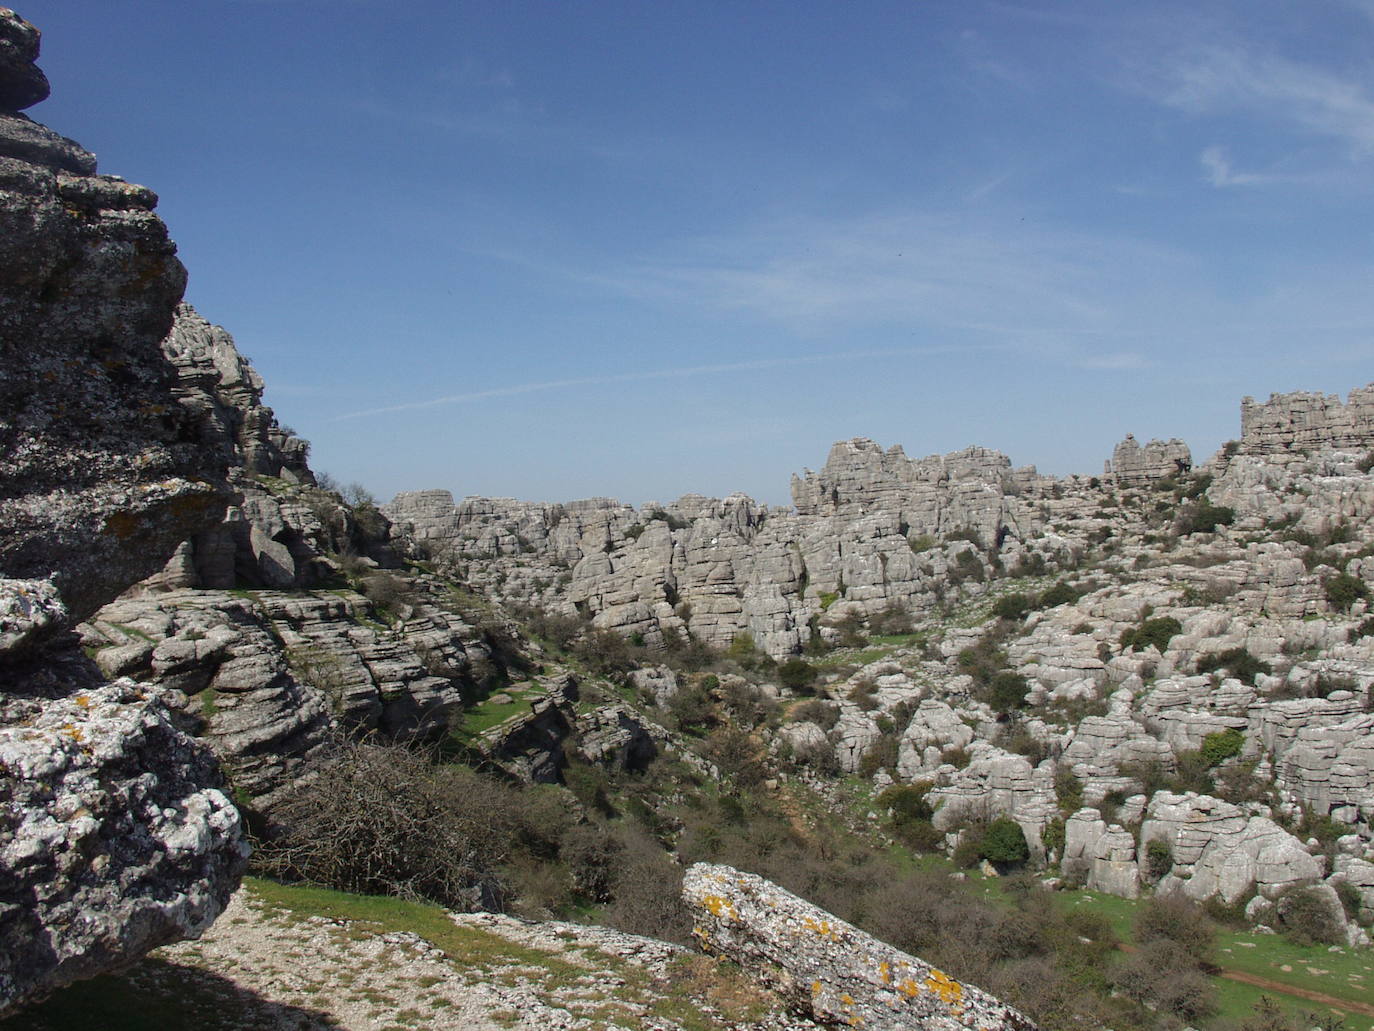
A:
x: 1344, y: 975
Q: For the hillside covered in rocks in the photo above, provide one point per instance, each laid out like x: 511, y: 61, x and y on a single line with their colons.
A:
x: 1161, y: 674
x: 924, y: 676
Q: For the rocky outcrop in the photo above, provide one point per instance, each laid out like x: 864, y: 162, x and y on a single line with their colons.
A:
x: 114, y: 834
x: 1134, y: 466
x: 862, y: 541
x: 105, y: 471
x: 1304, y: 421
x: 826, y: 967
x: 1220, y: 850
x: 114, y: 837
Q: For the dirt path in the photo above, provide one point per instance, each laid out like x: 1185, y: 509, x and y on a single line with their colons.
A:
x: 1281, y: 987
x: 1335, y: 1002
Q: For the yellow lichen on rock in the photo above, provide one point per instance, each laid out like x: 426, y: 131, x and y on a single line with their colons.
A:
x: 950, y: 991
x: 719, y: 906
x: 823, y: 928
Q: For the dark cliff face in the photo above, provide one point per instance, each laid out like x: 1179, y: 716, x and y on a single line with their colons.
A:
x: 102, y: 471
x: 114, y: 834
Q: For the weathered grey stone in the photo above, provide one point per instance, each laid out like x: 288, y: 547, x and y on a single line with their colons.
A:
x: 826, y: 967
x: 1304, y: 421
x: 22, y: 84
x: 104, y: 473
x: 115, y: 837
x: 1136, y: 466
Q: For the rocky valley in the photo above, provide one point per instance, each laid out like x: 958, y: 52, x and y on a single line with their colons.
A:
x: 701, y: 764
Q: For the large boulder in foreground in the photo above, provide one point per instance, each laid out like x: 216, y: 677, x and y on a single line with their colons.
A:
x: 113, y: 838
x: 826, y: 967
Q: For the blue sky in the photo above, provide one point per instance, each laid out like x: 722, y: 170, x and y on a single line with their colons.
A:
x: 554, y: 250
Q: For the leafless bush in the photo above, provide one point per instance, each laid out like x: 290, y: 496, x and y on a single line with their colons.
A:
x: 380, y: 820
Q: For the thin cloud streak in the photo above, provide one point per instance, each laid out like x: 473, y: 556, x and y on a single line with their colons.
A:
x: 654, y: 374
x: 1311, y: 99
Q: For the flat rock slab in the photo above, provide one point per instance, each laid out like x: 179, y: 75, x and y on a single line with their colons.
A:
x: 837, y: 972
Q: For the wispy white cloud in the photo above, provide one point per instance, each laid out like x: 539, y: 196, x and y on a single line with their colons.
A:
x: 1003, y: 277
x: 1309, y: 99
x: 684, y: 372
x: 1219, y: 172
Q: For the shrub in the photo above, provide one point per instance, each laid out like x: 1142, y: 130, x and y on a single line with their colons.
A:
x: 1004, y: 843
x: 691, y: 709
x: 797, y: 675
x: 1155, y: 632
x: 1008, y: 691
x: 1203, y: 517
x: 1343, y: 590
x: 1054, y: 835
x: 1060, y: 593
x: 911, y: 815
x: 1236, y: 661
x: 863, y: 694
x: 380, y: 820
x: 743, y: 650
x: 968, y: 567
x: 907, y: 801
x: 881, y: 756
x: 1069, y: 789
x: 823, y: 714
x: 1158, y: 977
x: 1159, y: 859
x: 969, y: 851
x: 922, y: 542
x: 1222, y: 745
x: 892, y: 620
x: 1307, y: 917
x: 1012, y: 606
x: 604, y: 652
x: 1180, y: 923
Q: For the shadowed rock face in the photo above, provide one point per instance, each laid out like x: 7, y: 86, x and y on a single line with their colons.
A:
x: 829, y: 968
x: 101, y: 468
x: 114, y: 835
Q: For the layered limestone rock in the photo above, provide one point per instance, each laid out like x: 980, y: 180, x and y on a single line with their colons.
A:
x: 826, y: 967
x: 1219, y: 850
x: 271, y: 676
x: 1134, y: 466
x: 114, y: 834
x: 1304, y: 421
x: 861, y: 543
x: 105, y: 471
x: 279, y: 526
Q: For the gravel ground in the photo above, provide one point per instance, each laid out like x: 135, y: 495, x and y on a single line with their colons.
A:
x: 273, y: 969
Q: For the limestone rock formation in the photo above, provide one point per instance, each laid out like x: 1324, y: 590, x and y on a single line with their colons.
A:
x: 1304, y: 421
x: 826, y: 967
x: 114, y: 834
x: 103, y: 468
x: 862, y: 541
x: 1135, y: 466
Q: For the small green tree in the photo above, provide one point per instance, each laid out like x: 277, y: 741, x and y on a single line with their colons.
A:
x: 797, y: 675
x: 1012, y: 606
x: 1005, y: 843
x: 1343, y: 590
x: 1008, y: 691
x: 1157, y: 632
x: 1222, y: 745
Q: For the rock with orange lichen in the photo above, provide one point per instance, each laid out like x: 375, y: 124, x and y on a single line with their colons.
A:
x: 829, y: 969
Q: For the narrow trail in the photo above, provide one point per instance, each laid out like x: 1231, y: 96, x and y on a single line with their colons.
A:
x: 1278, y: 987
x: 1281, y: 987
